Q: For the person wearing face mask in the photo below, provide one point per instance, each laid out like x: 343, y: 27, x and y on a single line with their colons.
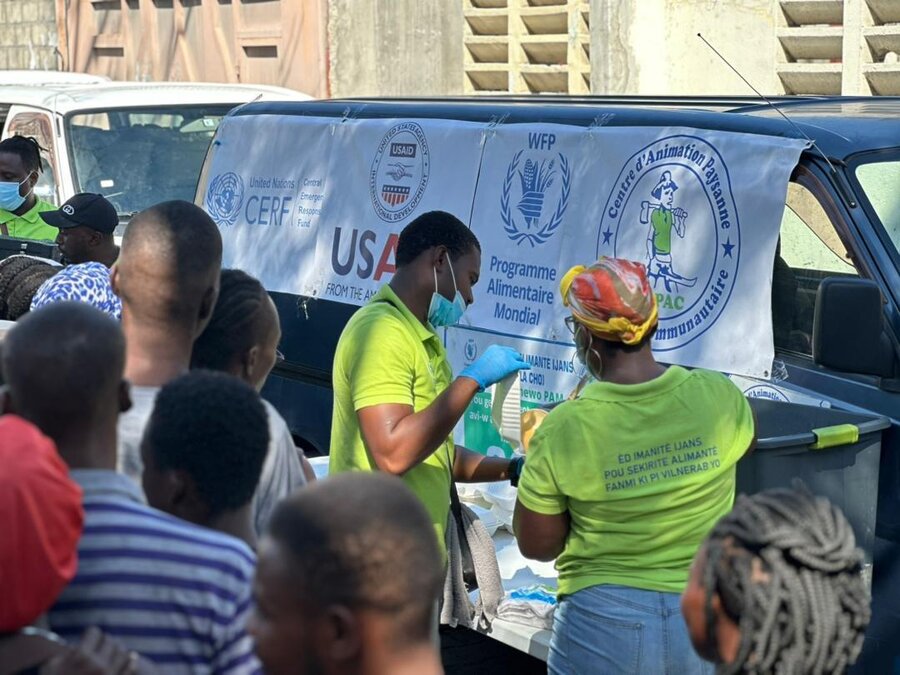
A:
x: 395, y: 399
x: 20, y: 208
x: 623, y: 482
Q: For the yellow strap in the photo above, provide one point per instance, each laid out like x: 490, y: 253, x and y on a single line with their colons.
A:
x: 839, y: 434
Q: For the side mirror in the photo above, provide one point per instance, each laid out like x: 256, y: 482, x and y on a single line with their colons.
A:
x: 848, y: 328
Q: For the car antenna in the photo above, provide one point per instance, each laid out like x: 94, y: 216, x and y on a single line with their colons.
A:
x: 772, y: 105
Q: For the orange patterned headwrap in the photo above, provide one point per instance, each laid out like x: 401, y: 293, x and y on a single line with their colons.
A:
x: 613, y: 298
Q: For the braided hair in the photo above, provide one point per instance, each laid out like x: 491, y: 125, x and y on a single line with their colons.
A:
x: 788, y: 572
x: 12, y: 271
x: 27, y: 148
x: 235, y: 325
x: 18, y: 302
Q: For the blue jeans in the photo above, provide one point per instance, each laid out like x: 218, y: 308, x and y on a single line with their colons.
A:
x: 616, y: 630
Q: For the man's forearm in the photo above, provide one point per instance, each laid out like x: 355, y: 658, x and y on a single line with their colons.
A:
x: 473, y: 467
x: 416, y: 436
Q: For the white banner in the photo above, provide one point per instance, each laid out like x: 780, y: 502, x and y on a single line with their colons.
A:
x: 776, y: 391
x: 268, y: 185
x: 554, y: 374
x: 387, y: 172
x: 314, y: 206
x: 701, y: 209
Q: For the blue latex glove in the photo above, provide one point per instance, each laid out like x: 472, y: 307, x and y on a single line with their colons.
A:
x: 496, y: 363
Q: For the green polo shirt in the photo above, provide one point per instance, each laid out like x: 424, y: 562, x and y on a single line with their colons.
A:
x: 644, y: 472
x: 386, y: 355
x: 30, y: 225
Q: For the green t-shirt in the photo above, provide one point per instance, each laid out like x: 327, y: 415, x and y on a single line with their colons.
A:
x: 662, y: 222
x: 386, y: 355
x: 30, y: 225
x: 644, y: 471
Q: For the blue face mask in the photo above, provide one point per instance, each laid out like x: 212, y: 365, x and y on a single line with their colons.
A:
x: 10, y: 199
x: 441, y: 311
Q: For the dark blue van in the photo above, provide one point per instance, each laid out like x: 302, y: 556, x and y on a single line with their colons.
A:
x: 837, y: 343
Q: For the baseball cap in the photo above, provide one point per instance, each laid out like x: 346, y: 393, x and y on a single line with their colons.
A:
x: 84, y: 209
x: 42, y: 516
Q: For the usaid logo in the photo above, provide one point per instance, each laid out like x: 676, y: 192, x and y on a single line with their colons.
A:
x: 399, y: 173
x: 672, y: 209
x: 535, y: 191
x: 224, y: 198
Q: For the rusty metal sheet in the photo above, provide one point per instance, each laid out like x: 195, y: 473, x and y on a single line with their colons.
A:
x: 277, y: 42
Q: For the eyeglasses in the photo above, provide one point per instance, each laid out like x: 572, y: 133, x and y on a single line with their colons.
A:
x: 571, y: 325
x: 279, y: 357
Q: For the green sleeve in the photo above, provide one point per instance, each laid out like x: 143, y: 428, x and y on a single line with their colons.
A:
x: 739, y: 431
x: 538, y: 487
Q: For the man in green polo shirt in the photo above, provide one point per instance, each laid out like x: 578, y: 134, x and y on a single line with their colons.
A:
x: 20, y: 208
x: 395, y: 399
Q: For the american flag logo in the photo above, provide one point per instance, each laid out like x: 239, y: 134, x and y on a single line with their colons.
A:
x: 394, y: 194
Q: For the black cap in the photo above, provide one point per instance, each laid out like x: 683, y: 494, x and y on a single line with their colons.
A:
x: 84, y: 209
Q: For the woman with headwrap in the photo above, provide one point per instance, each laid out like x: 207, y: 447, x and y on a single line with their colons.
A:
x: 623, y: 482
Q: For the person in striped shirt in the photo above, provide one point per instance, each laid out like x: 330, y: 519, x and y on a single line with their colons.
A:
x: 203, y: 451
x: 174, y: 592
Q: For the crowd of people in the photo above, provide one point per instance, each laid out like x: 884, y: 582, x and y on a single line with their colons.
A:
x: 159, y: 517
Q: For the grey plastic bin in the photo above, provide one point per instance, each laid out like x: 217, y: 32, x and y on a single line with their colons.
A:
x: 845, y: 471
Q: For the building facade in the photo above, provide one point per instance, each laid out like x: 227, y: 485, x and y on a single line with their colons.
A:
x: 452, y: 47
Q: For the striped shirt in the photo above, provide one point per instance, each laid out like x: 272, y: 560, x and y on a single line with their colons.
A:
x: 176, y: 593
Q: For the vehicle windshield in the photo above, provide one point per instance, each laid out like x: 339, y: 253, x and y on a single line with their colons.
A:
x: 881, y: 182
x: 141, y: 156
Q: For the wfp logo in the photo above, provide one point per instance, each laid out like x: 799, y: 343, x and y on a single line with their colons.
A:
x: 535, y: 192
x: 672, y: 208
x: 470, y: 351
x: 399, y: 173
x: 224, y: 198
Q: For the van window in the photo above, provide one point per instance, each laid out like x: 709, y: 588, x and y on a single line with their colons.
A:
x: 881, y: 182
x: 141, y: 156
x: 38, y: 126
x: 809, y: 250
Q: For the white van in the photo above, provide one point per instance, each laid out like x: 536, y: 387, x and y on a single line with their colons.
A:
x: 137, y: 143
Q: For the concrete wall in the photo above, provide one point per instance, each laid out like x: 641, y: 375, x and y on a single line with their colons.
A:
x: 651, y: 46
x: 395, y: 47
x: 28, y: 35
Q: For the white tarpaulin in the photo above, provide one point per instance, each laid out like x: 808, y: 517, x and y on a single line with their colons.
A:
x: 701, y: 209
x: 314, y: 206
x: 386, y: 173
x: 267, y: 187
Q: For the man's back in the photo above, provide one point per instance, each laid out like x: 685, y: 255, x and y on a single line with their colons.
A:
x: 176, y: 593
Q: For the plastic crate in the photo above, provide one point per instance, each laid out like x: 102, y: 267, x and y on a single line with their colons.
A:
x: 835, y: 453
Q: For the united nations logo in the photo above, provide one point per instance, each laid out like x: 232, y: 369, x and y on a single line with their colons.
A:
x: 399, y: 172
x: 224, y: 198
x: 672, y: 208
x: 471, y: 350
x: 527, y: 213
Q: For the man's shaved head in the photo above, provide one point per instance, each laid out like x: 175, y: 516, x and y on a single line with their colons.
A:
x: 365, y: 542
x: 63, y: 365
x: 168, y: 268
